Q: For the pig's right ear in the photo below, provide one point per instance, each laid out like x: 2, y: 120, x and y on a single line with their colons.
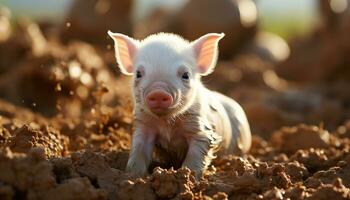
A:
x: 125, y: 50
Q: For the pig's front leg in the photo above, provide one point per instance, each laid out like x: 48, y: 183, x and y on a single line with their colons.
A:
x: 141, y: 152
x: 199, y: 154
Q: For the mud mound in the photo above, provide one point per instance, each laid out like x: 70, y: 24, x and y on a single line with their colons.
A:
x: 26, y: 138
x: 300, y: 137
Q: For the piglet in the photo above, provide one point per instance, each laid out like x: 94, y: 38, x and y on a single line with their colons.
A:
x: 176, y: 118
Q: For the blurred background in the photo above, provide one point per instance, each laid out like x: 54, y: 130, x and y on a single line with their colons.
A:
x: 286, y: 61
x: 275, y: 16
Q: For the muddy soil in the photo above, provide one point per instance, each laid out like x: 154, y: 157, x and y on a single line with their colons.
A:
x: 66, y: 123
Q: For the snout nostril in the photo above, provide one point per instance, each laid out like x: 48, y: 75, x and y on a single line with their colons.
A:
x: 159, y: 100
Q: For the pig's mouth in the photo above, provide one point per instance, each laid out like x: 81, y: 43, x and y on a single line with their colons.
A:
x: 161, y: 111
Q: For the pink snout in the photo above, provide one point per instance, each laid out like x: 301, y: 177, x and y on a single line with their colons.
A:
x: 159, y: 100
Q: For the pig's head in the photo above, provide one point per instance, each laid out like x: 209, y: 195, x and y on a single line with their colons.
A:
x: 166, y: 69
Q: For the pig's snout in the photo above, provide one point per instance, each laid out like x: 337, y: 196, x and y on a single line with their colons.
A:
x: 159, y: 100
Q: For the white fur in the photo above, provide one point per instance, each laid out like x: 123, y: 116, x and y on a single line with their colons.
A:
x: 156, y: 52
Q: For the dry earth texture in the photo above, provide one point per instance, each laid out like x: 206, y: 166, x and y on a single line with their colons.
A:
x: 66, y: 122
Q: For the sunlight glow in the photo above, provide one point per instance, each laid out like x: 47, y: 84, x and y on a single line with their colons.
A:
x: 248, y: 12
x: 339, y: 6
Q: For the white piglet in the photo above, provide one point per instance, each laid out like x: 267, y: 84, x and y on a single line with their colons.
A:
x: 177, y: 119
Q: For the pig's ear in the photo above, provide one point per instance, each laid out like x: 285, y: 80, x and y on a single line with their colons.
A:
x: 206, y: 52
x: 125, y: 50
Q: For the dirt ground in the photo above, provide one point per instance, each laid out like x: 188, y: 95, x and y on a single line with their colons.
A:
x: 66, y: 122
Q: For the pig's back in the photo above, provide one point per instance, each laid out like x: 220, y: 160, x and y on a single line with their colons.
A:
x: 238, y: 138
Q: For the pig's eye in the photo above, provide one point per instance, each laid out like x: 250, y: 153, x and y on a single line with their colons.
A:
x: 185, y: 76
x: 138, y: 74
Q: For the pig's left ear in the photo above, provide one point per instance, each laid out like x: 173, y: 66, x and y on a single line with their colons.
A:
x: 125, y: 50
x: 206, y: 52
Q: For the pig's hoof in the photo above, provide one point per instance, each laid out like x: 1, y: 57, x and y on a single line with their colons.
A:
x: 198, y: 175
x: 136, y: 169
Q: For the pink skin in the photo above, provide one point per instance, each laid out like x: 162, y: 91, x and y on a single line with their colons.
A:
x: 158, y: 99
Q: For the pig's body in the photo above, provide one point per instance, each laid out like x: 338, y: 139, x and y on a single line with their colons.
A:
x: 177, y: 119
x: 231, y: 123
x: 216, y: 120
